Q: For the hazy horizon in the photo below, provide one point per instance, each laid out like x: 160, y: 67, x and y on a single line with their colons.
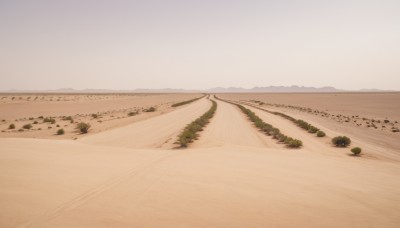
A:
x: 125, y: 45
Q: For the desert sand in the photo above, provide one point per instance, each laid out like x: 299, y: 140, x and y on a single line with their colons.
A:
x: 132, y: 175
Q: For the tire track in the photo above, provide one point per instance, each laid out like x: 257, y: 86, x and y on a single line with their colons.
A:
x: 85, y: 197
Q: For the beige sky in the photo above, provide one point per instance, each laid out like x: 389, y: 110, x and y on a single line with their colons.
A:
x: 199, y: 44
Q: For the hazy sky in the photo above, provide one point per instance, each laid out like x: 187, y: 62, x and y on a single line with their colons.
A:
x: 199, y: 44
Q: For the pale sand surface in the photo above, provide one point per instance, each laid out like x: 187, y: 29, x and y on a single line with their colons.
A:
x: 233, y: 176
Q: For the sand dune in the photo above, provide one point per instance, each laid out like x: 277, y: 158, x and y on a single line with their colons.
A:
x: 232, y: 176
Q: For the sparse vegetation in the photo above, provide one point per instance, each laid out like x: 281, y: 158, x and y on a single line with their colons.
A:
x: 356, y: 151
x: 27, y: 126
x: 151, y: 109
x: 190, y: 132
x: 186, y: 102
x: 95, y: 116
x: 49, y: 120
x: 83, y: 127
x: 321, y: 134
x: 60, y: 131
x: 295, y: 143
x: 133, y: 113
x: 11, y: 126
x: 35, y: 122
x: 341, y: 141
x: 68, y: 118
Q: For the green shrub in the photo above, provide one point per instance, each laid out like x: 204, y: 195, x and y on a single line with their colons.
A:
x: 356, y: 151
x: 12, y: 126
x: 312, y: 129
x: 294, y: 143
x: 83, y: 127
x: 27, y: 126
x: 321, y: 134
x: 341, y: 141
x: 60, y: 131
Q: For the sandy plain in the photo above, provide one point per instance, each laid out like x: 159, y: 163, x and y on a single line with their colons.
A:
x: 131, y: 175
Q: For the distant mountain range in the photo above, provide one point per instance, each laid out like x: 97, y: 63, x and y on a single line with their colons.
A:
x: 268, y: 89
x: 275, y: 89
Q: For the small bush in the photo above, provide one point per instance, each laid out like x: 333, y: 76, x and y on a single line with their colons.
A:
x: 294, y: 143
x: 95, y: 116
x: 60, y: 131
x: 83, y: 127
x: 27, y: 126
x: 133, y: 113
x: 21, y: 130
x: 341, y: 141
x: 151, y: 109
x: 35, y: 122
x: 356, y: 151
x: 49, y: 120
x: 12, y: 126
x: 68, y: 118
x: 312, y: 129
x: 321, y: 134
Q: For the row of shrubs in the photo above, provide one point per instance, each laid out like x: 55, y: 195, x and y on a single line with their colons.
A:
x: 190, y: 133
x: 186, y: 102
x: 301, y: 123
x: 270, y: 130
x: 82, y: 127
x: 339, y: 141
x: 310, y: 128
